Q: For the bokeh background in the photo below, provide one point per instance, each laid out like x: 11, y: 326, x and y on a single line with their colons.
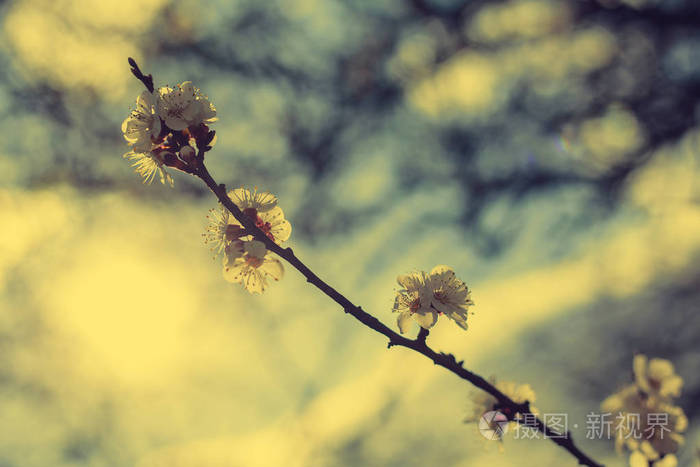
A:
x: 547, y: 150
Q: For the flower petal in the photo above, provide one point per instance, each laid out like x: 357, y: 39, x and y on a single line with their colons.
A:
x: 175, y: 123
x: 639, y: 366
x: 411, y: 281
x: 403, y: 321
x: 671, y: 386
x: 255, y: 248
x: 669, y: 460
x: 273, y: 268
x: 155, y: 127
x: 441, y: 269
x: 637, y: 459
x: 254, y: 282
x: 660, y: 368
x: 233, y: 271
x: 426, y: 320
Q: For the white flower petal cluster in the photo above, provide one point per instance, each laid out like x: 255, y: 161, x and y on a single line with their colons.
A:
x: 250, y: 264
x: 245, y: 262
x: 163, y: 127
x: 413, y: 301
x: 142, y: 127
x: 451, y: 296
x: 142, y: 130
x: 423, y: 297
x: 650, y: 397
x: 184, y: 105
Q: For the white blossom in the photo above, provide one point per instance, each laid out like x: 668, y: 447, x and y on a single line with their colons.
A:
x: 142, y: 126
x: 449, y: 295
x: 250, y: 264
x: 184, y: 105
x: 413, y: 301
x: 261, y: 208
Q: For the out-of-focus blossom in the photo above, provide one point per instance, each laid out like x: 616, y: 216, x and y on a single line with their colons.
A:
x: 639, y: 459
x: 250, y: 264
x: 656, y: 377
x: 183, y: 106
x: 655, y: 436
x: 484, y: 402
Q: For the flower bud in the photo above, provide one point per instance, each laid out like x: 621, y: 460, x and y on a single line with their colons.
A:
x: 187, y: 154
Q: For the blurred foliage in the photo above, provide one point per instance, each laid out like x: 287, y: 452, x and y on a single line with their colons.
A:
x: 547, y: 150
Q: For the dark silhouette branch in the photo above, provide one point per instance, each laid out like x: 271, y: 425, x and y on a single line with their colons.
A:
x: 146, y: 80
x: 445, y: 360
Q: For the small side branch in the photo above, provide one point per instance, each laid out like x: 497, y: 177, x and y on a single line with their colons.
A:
x: 147, y: 80
x: 422, y: 335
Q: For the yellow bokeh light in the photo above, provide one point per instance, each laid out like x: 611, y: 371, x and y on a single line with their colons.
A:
x: 127, y: 311
x: 518, y: 19
x: 79, y: 43
x: 611, y: 137
x: 467, y: 84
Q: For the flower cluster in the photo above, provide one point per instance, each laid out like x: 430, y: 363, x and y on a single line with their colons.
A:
x: 484, y: 402
x: 424, y: 296
x: 649, y: 398
x: 165, y: 128
x: 246, y: 260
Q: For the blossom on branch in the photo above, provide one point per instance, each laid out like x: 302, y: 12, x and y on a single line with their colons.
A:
x: 450, y: 295
x: 142, y: 127
x: 166, y: 127
x: 413, y: 301
x: 262, y: 209
x: 424, y: 297
x: 142, y: 130
x: 484, y: 402
x: 246, y: 260
x: 250, y: 264
x: 184, y: 106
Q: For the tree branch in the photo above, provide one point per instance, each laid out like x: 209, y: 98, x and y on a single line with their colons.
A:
x: 445, y: 360
x: 146, y: 80
x: 419, y: 345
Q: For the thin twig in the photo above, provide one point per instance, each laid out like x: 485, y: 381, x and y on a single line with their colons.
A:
x: 146, y: 80
x: 445, y: 360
